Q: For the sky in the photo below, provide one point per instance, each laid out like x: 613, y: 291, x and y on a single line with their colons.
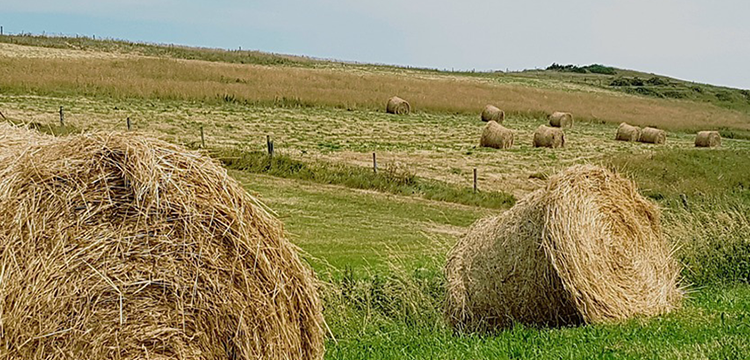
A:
x: 700, y: 40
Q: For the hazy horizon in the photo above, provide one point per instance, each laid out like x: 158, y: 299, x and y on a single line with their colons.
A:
x: 690, y: 40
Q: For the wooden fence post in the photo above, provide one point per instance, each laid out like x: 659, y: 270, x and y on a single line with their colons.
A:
x: 203, y: 139
x: 269, y: 144
x: 374, y: 164
x: 128, y: 121
x: 62, y: 120
x: 475, y: 179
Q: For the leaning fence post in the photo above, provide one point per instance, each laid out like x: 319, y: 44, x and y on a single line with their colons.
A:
x: 374, y: 164
x: 475, y: 179
x: 269, y: 144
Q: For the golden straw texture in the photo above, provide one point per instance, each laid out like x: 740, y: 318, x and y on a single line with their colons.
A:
x: 117, y: 245
x: 587, y: 248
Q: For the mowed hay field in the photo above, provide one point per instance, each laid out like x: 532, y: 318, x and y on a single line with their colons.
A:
x: 380, y: 254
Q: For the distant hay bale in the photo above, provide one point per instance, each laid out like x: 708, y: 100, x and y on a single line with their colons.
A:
x: 398, y: 106
x: 587, y: 248
x: 546, y: 136
x: 496, y: 136
x: 561, y: 119
x: 627, y: 132
x: 123, y: 246
x: 492, y: 113
x: 653, y: 136
x: 708, y: 139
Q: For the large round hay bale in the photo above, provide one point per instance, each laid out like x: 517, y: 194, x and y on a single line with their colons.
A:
x: 627, y: 132
x: 398, y: 106
x: 561, y: 119
x: 546, y: 136
x: 653, y: 136
x: 123, y: 246
x: 708, y: 139
x: 496, y: 136
x: 587, y: 248
x: 492, y: 113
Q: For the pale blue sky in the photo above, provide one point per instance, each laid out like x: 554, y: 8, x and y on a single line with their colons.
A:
x: 700, y: 40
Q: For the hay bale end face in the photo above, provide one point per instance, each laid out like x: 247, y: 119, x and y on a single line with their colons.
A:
x: 627, y: 132
x: 123, y: 246
x: 496, y: 136
x: 587, y: 248
x: 561, y: 119
x: 492, y: 113
x: 398, y: 106
x: 708, y: 139
x: 550, y: 137
x: 653, y: 136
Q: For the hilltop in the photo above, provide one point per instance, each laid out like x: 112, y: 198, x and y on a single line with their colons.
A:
x: 148, y: 71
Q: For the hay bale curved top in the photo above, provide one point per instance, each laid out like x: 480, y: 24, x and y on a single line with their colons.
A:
x: 586, y: 248
x: 708, y: 139
x: 496, y: 136
x: 561, y: 119
x: 398, y: 106
x: 546, y: 136
x: 653, y: 136
x: 123, y: 246
x: 492, y: 113
x: 627, y: 132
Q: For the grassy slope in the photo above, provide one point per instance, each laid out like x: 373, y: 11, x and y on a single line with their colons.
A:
x: 359, y: 229
x: 388, y: 249
x: 652, y: 85
x: 103, y: 73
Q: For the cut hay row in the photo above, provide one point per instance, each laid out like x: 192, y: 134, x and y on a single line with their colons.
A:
x: 496, y: 136
x: 627, y: 132
x: 492, y: 113
x: 587, y: 248
x: 121, y: 246
x: 398, y: 106
x: 708, y: 139
x: 550, y: 137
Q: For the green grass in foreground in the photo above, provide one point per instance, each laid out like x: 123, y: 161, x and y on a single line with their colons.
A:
x: 384, y: 297
x: 713, y: 324
x: 390, y: 178
x: 359, y: 230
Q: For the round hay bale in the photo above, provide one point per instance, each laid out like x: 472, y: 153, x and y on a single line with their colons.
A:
x: 708, y: 139
x: 546, y: 136
x: 398, y: 106
x: 123, y: 246
x: 496, y: 136
x: 561, y: 119
x: 587, y: 248
x: 653, y: 136
x: 11, y: 137
x: 492, y: 113
x: 627, y: 132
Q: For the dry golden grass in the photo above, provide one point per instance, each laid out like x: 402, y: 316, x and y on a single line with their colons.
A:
x: 149, y: 78
x: 438, y: 146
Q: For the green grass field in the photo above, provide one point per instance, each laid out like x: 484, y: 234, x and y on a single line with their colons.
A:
x: 381, y: 256
x: 378, y: 242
